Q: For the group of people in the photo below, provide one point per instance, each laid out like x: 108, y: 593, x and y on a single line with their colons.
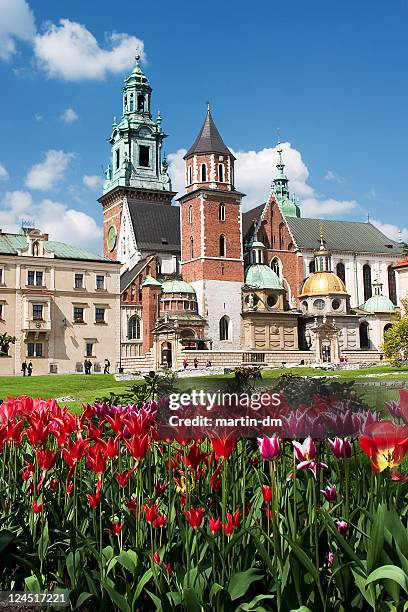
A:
x: 195, y: 362
x: 27, y: 368
x: 88, y: 366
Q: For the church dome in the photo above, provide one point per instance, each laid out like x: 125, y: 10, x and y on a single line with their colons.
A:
x: 177, y: 286
x: 260, y: 276
x: 323, y: 283
x: 377, y: 304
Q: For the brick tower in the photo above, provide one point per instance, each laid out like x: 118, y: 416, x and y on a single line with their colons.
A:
x: 211, y: 235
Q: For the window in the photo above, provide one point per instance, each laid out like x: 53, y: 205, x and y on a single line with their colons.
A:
x: 35, y: 349
x: 144, y: 155
x: 117, y: 159
x: 37, y: 312
x: 224, y: 328
x: 222, y: 246
x: 190, y: 175
x: 190, y: 215
x: 367, y: 282
x: 271, y: 301
x: 132, y: 103
x: 89, y: 349
x: 392, y: 285
x: 100, y: 281
x: 34, y: 278
x: 191, y: 247
x: 140, y: 103
x: 78, y: 314
x: 36, y: 248
x: 318, y: 304
x: 336, y: 304
x: 281, y: 235
x: 221, y: 173
x: 1, y: 276
x: 221, y: 212
x: 134, y: 328
x: 203, y: 173
x: 79, y: 281
x: 312, y: 266
x: 305, y: 306
x: 364, y: 338
x: 341, y: 271
x: 99, y: 315
x: 275, y: 266
x: 1, y: 312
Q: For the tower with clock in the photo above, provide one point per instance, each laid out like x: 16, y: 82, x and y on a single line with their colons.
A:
x: 137, y: 172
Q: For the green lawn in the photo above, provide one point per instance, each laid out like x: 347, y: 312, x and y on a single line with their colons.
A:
x: 87, y: 388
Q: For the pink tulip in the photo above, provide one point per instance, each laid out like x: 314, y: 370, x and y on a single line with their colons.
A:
x: 330, y: 558
x: 305, y: 454
x: 330, y: 493
x: 269, y: 448
x: 340, y: 447
x: 342, y: 527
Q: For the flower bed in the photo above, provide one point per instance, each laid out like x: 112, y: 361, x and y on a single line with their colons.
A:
x: 98, y: 506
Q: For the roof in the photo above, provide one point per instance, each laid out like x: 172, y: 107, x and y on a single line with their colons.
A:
x: 261, y: 276
x: 323, y: 283
x: 11, y: 243
x: 150, y: 281
x: 248, y: 219
x: 208, y: 140
x: 353, y: 236
x: 156, y: 226
x: 377, y: 304
x: 402, y: 264
x: 129, y: 276
x: 177, y: 286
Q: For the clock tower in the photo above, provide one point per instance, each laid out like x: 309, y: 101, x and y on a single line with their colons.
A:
x: 137, y: 171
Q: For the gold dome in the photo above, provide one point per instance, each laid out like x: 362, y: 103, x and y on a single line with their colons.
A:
x: 323, y: 283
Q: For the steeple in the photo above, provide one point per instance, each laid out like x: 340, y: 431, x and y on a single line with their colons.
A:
x: 208, y: 139
x: 288, y: 204
x: 322, y: 255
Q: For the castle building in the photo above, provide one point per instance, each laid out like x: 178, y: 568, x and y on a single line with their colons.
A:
x: 59, y: 302
x: 201, y: 279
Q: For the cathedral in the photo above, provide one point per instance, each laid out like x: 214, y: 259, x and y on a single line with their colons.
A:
x: 201, y: 279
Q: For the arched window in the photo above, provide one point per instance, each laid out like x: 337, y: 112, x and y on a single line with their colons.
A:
x: 392, y: 285
x: 281, y: 235
x: 221, y: 212
x: 140, y: 103
x: 275, y: 265
x: 190, y: 215
x: 191, y: 247
x: 222, y: 246
x: 364, y: 339
x: 134, y: 328
x: 387, y: 327
x: 36, y: 248
x: 368, y: 291
x: 224, y: 328
x: 312, y: 266
x: 203, y: 173
x: 190, y: 175
x: 221, y: 173
x: 131, y: 104
x: 341, y: 271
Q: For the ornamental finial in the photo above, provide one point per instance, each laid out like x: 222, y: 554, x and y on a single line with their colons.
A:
x: 208, y: 105
x: 137, y: 58
x: 321, y: 236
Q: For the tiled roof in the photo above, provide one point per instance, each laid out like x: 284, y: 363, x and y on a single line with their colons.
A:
x: 208, y: 140
x: 11, y: 243
x: 128, y: 277
x: 248, y: 220
x: 156, y: 226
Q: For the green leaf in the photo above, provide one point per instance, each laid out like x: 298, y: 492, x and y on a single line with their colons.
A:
x: 81, y: 599
x: 72, y: 564
x: 303, y: 558
x: 241, y: 581
x: 43, y: 541
x: 376, y: 541
x: 389, y: 572
x: 190, y: 601
x: 32, y: 584
x: 341, y: 540
x: 253, y: 605
x: 116, y: 598
x: 368, y: 594
x: 140, y: 585
x: 127, y: 560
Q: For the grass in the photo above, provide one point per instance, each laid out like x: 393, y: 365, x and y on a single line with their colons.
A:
x: 87, y: 388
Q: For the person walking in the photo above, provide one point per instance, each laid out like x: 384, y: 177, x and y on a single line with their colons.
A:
x: 89, y: 366
x: 24, y: 368
x: 185, y: 364
x: 107, y: 366
x: 30, y: 369
x: 196, y: 362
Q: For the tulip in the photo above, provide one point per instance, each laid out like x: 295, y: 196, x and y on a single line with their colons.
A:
x: 340, y: 447
x: 37, y: 507
x: 131, y: 503
x: 116, y: 528
x: 223, y: 447
x: 214, y: 525
x: 229, y: 526
x: 330, y: 558
x: 150, y: 512
x: 160, y: 521
x: 138, y: 446
x: 330, y: 493
x: 385, y: 443
x: 194, y: 516
x: 266, y: 493
x: 342, y: 527
x: 305, y: 454
x: 269, y: 448
x: 398, y: 476
x: 236, y: 518
x: 124, y: 477
x: 168, y: 568
x: 156, y: 558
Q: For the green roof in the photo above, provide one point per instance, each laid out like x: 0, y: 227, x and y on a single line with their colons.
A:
x: 149, y: 280
x: 260, y: 276
x: 177, y: 286
x: 378, y: 304
x: 11, y: 243
x: 288, y: 207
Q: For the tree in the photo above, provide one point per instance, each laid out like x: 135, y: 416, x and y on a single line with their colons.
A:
x: 5, y: 341
x: 395, y: 344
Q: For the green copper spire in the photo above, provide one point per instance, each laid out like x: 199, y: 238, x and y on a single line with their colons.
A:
x: 288, y: 204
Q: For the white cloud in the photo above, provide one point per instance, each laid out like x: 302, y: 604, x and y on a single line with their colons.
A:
x: 16, y: 22
x: 62, y: 223
x: 254, y: 172
x: 4, y: 175
x: 48, y: 173
x: 392, y: 231
x: 93, y: 181
x: 69, y: 116
x: 333, y: 176
x: 38, y: 117
x: 69, y: 51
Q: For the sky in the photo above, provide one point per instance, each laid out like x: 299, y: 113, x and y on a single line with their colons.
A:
x: 328, y: 76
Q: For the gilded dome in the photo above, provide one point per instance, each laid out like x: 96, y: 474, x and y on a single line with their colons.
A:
x: 323, y: 283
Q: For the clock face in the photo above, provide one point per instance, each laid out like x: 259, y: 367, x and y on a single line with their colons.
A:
x: 112, y: 235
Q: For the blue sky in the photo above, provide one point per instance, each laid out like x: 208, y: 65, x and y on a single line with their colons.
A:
x: 330, y: 75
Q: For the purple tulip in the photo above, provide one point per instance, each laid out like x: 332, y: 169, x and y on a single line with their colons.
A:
x: 330, y: 494
x: 305, y: 454
x: 269, y: 448
x: 342, y: 527
x: 340, y: 447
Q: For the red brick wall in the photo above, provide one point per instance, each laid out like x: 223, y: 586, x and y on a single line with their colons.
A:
x: 198, y: 160
x: 150, y: 297
x: 112, y: 215
x: 131, y: 295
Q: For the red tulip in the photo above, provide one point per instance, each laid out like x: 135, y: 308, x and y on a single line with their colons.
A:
x: 160, y: 521
x: 223, y: 447
x: 229, y: 526
x: 95, y: 459
x: 54, y: 484
x: 46, y: 458
x: 138, y: 446
x: 37, y: 507
x: 131, y: 503
x: 236, y: 518
x: 398, y: 476
x: 168, y: 568
x: 266, y: 493
x: 194, y: 516
x: 156, y: 558
x: 385, y: 443
x: 116, y: 528
x: 194, y: 457
x: 150, y: 512
x: 94, y: 500
x: 214, y: 525
x: 124, y: 477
